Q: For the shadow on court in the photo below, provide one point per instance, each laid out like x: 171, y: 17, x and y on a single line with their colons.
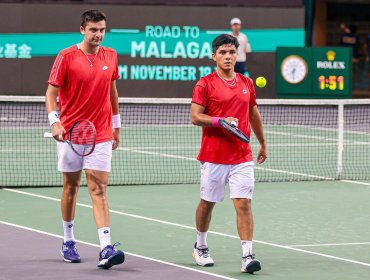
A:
x: 31, y: 255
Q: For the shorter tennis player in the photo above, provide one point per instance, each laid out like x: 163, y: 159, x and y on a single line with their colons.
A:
x: 223, y: 157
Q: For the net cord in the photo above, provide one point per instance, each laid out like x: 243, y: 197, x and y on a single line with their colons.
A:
x: 129, y: 100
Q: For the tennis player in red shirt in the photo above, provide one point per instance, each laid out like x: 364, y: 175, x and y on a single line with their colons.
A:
x: 84, y: 78
x: 223, y: 157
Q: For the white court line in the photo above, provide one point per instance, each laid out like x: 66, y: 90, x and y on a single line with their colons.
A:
x: 326, y: 129
x: 256, y: 167
x: 193, y: 228
x: 355, y: 182
x: 127, y: 253
x: 331, y: 244
x: 194, y: 159
x: 334, y: 140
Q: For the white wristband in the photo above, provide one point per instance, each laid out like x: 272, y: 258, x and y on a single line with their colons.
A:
x: 53, y: 117
x: 116, y: 120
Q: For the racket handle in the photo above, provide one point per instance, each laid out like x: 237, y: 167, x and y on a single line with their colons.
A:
x: 48, y: 135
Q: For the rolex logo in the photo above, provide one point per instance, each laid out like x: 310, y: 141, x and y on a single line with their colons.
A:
x: 330, y: 55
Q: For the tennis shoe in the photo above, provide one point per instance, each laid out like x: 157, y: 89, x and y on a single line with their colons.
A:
x: 250, y: 264
x: 202, y: 257
x: 109, y: 256
x: 69, y: 252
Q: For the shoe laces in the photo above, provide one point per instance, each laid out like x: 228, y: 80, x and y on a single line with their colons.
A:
x: 251, y: 257
x: 71, y: 247
x: 109, y: 248
x: 203, y: 252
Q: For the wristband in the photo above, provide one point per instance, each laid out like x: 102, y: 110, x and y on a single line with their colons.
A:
x: 53, y: 117
x: 116, y: 121
x: 215, y: 121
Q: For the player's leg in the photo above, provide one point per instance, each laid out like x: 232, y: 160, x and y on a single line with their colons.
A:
x: 203, y: 217
x: 241, y: 183
x: 97, y: 167
x: 213, y: 179
x: 70, y: 164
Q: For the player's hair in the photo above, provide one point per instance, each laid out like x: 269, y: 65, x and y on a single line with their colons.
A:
x: 224, y: 39
x: 92, y: 15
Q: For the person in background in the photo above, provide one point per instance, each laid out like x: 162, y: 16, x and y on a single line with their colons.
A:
x: 244, y: 46
x: 350, y: 39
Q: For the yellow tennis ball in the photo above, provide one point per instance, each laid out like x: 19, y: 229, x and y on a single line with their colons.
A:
x: 261, y: 82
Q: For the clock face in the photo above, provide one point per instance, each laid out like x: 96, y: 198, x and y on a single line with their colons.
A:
x: 294, y: 69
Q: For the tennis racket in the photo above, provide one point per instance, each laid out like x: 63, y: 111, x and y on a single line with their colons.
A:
x: 81, y: 137
x: 232, y: 129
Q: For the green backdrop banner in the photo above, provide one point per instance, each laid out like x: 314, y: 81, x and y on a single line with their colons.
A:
x: 153, y: 42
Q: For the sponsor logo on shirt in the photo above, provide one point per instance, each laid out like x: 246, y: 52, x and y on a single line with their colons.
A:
x: 104, y: 68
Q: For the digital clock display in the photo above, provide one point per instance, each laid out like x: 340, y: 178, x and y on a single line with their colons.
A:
x: 331, y: 82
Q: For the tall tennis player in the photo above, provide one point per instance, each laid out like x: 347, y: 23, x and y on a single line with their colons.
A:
x: 223, y: 158
x: 84, y: 78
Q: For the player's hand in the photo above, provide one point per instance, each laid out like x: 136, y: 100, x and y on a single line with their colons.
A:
x: 116, y: 136
x: 57, y: 130
x: 231, y: 119
x: 262, y: 154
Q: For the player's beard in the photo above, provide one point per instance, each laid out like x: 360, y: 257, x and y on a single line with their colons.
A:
x: 96, y: 43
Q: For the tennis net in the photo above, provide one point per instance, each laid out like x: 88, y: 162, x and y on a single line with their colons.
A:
x: 307, y: 140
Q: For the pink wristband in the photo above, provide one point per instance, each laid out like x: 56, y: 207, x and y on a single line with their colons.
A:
x: 215, y: 121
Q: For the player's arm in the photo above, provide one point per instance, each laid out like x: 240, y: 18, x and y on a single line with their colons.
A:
x: 116, y: 119
x: 248, y: 48
x: 51, y: 108
x: 257, y: 127
x: 199, y: 118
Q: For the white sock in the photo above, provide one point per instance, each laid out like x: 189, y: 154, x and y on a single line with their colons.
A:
x: 104, y: 237
x: 68, y: 231
x: 247, y: 247
x: 202, y: 240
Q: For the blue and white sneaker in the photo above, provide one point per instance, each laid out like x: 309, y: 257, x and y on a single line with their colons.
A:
x: 109, y: 256
x: 202, y: 256
x: 69, y: 252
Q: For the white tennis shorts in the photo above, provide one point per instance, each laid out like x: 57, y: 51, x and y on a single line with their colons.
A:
x: 214, y: 177
x: 100, y: 159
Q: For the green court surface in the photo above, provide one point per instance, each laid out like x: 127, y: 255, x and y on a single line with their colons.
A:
x: 305, y: 230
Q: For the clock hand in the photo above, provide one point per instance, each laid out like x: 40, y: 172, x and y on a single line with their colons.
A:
x: 293, y: 72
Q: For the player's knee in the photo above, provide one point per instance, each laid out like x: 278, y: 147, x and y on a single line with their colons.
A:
x: 71, y: 189
x: 242, y: 205
x: 206, y: 205
x: 98, y: 190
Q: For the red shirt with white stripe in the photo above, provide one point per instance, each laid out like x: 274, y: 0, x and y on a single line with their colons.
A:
x: 84, y: 90
x: 222, y: 99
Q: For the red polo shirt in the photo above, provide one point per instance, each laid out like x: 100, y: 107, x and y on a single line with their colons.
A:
x: 220, y: 99
x: 84, y: 90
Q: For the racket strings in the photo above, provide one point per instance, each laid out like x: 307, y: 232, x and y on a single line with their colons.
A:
x: 83, y: 137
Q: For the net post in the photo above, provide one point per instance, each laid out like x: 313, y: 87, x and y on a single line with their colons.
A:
x: 340, y: 140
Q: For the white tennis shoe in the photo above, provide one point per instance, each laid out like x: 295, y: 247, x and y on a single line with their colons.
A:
x: 202, y: 257
x: 250, y: 264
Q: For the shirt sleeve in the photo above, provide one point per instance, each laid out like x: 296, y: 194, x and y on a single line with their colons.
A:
x: 58, y: 73
x: 200, y: 93
x: 115, y: 75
